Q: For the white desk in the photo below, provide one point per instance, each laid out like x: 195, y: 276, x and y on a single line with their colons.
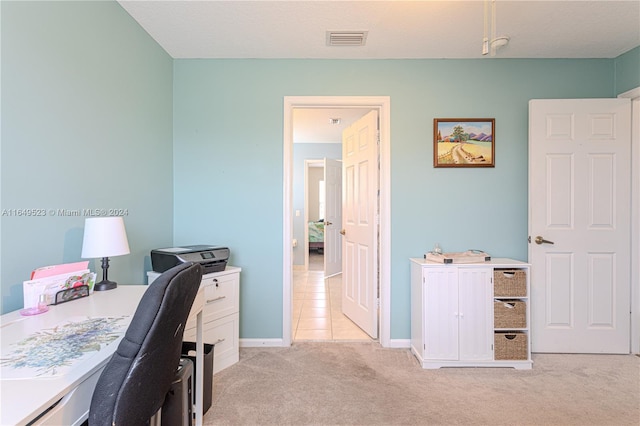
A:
x: 23, y: 400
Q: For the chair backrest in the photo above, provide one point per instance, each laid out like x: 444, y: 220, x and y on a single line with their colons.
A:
x: 135, y: 381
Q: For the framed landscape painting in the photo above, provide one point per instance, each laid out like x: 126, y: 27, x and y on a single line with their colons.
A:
x: 463, y: 142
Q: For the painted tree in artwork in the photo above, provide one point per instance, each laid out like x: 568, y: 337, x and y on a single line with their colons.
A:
x: 439, y: 135
x: 458, y: 133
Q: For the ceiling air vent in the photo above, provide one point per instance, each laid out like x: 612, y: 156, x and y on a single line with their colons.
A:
x: 346, y: 38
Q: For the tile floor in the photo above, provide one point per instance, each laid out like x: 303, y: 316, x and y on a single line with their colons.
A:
x: 317, y: 307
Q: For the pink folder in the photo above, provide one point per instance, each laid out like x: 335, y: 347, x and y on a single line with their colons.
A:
x: 65, y: 268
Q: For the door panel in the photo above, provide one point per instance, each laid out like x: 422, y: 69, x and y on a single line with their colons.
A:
x: 333, y: 217
x: 475, y: 306
x: 360, y: 239
x: 579, y: 199
x: 559, y: 290
x: 441, y: 319
x: 560, y: 193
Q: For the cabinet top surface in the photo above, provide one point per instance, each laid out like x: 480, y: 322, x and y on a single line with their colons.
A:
x: 227, y: 270
x: 494, y: 262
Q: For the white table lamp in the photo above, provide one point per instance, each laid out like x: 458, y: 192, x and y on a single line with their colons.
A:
x: 104, y: 237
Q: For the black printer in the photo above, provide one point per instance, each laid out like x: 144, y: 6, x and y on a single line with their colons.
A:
x: 211, y: 258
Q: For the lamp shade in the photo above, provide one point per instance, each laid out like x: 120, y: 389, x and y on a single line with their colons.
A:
x: 104, y: 237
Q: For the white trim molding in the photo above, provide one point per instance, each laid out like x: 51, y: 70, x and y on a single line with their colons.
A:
x: 383, y: 105
x: 634, y: 95
x: 261, y: 343
x: 400, y: 343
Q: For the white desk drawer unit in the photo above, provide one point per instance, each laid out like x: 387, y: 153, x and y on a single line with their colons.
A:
x: 220, y: 316
x: 224, y: 334
x: 221, y: 295
x: 74, y: 406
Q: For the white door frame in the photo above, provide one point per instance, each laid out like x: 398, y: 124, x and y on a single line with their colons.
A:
x: 634, y: 95
x: 383, y: 105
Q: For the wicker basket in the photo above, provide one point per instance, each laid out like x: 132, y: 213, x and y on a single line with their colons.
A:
x: 509, y: 314
x: 510, y: 346
x: 509, y: 283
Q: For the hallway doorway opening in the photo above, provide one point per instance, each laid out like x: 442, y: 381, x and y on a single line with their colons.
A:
x: 382, y: 105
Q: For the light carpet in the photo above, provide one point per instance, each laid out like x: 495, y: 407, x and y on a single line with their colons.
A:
x: 315, y: 383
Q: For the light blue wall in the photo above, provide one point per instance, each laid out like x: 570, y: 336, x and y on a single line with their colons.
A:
x: 86, y: 123
x: 228, y: 118
x: 628, y: 70
x: 302, y: 152
x: 83, y: 86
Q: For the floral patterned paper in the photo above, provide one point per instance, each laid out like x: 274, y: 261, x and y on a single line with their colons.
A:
x: 53, y: 351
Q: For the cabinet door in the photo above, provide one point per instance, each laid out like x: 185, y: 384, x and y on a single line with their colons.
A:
x: 475, y: 299
x: 441, y: 313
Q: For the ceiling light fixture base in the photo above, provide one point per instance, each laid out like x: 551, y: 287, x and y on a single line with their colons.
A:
x: 499, y: 42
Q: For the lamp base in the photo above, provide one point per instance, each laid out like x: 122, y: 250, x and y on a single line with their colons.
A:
x: 105, y: 285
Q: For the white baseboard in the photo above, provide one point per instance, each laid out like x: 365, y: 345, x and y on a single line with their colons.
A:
x: 400, y: 343
x: 278, y: 343
x: 261, y: 343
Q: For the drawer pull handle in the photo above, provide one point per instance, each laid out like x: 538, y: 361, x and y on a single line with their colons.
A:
x: 220, y: 341
x: 216, y: 299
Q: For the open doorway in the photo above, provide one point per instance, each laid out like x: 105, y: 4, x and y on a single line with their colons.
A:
x: 320, y: 230
x: 382, y: 106
x: 314, y: 215
x: 317, y: 311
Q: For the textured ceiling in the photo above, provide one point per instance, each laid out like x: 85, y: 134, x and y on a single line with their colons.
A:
x: 396, y: 29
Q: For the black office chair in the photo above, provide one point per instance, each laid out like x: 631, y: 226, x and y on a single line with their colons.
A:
x: 135, y: 381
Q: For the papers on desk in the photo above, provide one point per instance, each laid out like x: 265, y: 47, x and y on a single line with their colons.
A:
x: 53, y: 351
x: 53, y: 270
x: 52, y: 279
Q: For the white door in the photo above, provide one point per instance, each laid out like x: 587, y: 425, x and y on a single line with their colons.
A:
x: 440, y: 307
x: 579, y: 225
x: 333, y: 217
x: 475, y: 314
x: 360, y: 239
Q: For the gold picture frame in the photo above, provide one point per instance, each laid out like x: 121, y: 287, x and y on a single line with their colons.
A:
x: 464, y: 142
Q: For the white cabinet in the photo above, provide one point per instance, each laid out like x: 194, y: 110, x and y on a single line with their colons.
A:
x: 453, y: 318
x: 220, y: 316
